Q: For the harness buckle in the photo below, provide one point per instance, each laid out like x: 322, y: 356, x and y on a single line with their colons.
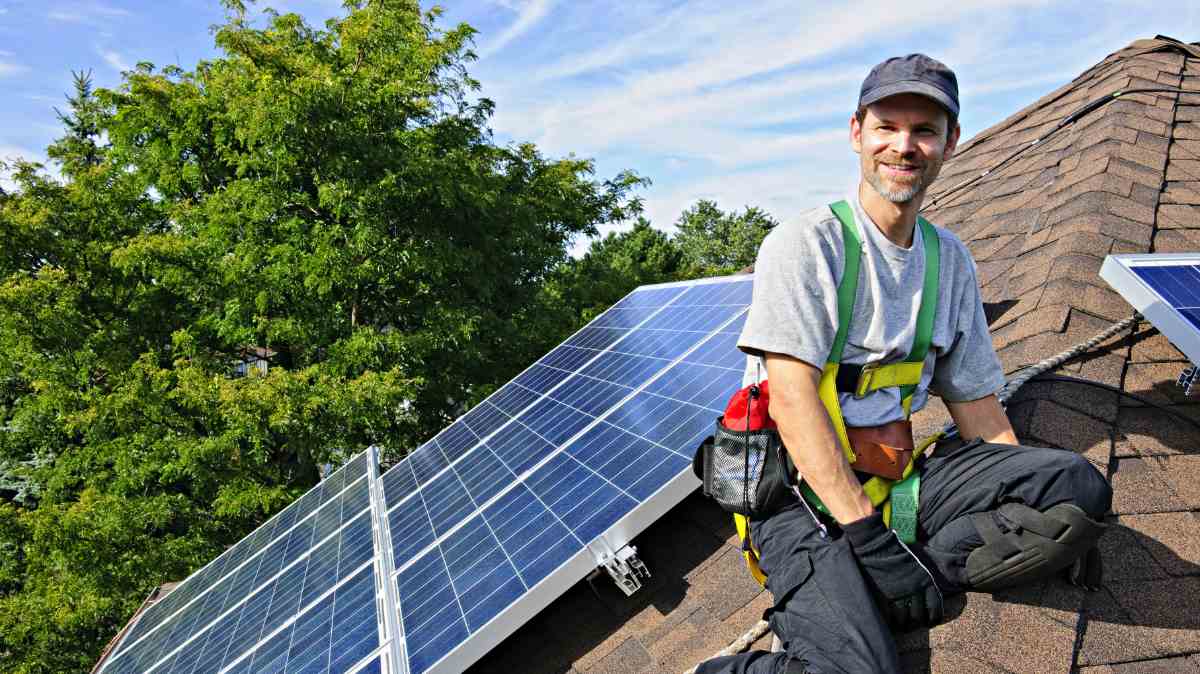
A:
x: 864, y: 380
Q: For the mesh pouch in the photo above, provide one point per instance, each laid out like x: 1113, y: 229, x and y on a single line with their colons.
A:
x: 746, y: 472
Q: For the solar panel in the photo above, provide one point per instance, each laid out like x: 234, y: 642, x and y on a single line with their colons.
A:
x: 514, y: 502
x: 426, y: 568
x: 1165, y: 288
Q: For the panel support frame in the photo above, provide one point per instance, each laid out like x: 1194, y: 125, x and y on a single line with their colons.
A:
x: 395, y: 658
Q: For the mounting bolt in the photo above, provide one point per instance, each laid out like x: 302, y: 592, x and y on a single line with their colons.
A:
x: 1189, y: 379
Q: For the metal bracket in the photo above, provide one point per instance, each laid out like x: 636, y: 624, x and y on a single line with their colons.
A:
x: 626, y: 569
x: 1189, y: 379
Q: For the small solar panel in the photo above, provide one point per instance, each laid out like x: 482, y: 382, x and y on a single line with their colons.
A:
x: 426, y: 568
x: 1165, y: 288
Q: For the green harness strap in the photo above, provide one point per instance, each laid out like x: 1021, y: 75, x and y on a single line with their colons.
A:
x: 902, y: 497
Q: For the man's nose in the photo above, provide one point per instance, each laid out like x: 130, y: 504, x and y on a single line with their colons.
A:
x: 904, y: 143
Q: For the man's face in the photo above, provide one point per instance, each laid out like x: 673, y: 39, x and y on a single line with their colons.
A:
x: 901, y: 143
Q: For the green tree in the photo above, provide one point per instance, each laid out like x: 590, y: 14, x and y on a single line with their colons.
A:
x: 329, y: 198
x: 714, y: 242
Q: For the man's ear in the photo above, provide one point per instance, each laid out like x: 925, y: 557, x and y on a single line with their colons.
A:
x: 951, y: 143
x: 855, y: 134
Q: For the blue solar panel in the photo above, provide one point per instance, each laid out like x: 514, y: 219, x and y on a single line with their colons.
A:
x: 269, y: 534
x: 526, y: 480
x: 473, y: 522
x: 1179, y: 285
x: 258, y: 590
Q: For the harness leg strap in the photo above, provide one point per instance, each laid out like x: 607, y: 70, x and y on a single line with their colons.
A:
x: 1021, y: 545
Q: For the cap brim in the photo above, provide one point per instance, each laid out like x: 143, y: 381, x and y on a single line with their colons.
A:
x: 912, y: 87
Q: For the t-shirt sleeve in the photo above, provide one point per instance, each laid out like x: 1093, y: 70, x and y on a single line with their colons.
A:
x: 969, y: 368
x: 795, y: 293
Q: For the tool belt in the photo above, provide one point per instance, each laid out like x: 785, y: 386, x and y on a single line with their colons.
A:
x: 882, y: 450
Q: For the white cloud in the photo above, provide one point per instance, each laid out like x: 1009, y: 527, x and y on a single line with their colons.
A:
x: 529, y: 13
x: 10, y: 153
x: 86, y: 12
x: 114, y: 60
x: 11, y: 69
x: 748, y: 103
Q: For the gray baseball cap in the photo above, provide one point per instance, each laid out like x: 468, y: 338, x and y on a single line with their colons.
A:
x: 912, y: 74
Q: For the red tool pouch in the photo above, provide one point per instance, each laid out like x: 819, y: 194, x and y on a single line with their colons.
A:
x: 743, y: 464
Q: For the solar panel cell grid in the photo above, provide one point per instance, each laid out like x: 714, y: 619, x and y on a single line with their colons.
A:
x: 199, y: 582
x: 288, y: 573
x: 1179, y: 285
x: 483, y: 560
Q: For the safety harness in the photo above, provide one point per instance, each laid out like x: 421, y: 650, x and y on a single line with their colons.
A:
x: 898, y: 498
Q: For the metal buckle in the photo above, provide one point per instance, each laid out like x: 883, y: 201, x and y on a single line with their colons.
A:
x: 862, y: 388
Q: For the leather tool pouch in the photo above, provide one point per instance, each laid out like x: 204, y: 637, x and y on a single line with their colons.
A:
x: 882, y: 450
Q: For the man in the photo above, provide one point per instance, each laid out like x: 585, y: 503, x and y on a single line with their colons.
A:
x: 991, y: 514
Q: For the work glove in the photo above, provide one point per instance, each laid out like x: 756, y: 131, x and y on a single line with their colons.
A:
x: 907, y: 592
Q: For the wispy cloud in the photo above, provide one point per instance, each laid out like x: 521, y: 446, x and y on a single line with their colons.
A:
x: 749, y: 103
x: 88, y: 12
x: 10, y: 154
x: 529, y: 13
x: 114, y: 60
x: 11, y: 69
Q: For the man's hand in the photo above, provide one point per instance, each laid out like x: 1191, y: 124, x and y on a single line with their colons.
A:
x: 982, y: 418
x: 909, y: 595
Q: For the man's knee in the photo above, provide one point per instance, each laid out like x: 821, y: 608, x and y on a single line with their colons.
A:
x: 1089, y: 489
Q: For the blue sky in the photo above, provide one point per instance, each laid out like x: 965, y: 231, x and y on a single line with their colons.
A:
x: 746, y: 103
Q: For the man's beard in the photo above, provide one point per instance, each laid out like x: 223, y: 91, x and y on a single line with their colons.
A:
x: 903, y: 193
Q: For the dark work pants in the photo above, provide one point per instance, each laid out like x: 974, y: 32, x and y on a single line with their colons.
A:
x: 824, y: 612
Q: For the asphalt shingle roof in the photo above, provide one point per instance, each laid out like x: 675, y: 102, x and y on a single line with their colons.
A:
x: 1125, y: 178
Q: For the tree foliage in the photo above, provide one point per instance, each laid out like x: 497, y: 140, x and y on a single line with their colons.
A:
x: 329, y: 198
x: 715, y: 242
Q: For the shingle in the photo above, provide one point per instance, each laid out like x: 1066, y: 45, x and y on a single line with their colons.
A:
x: 1171, y: 539
x: 1124, y: 552
x: 1183, y: 170
x: 1184, y: 149
x: 1140, y: 485
x: 1136, y: 172
x: 1110, y: 634
x: 1156, y: 606
x: 630, y: 657
x: 1177, y: 241
x: 1188, y: 130
x: 1146, y: 431
x: 1096, y: 300
x: 1051, y: 318
x: 1178, y: 216
x: 1156, y: 381
x: 1182, y: 193
x: 1149, y: 345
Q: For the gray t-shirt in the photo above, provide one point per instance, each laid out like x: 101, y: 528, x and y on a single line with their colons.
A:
x: 794, y: 311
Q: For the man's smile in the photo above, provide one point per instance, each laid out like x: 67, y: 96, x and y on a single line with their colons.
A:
x: 900, y: 170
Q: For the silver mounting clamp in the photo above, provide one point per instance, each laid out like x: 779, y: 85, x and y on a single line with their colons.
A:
x: 626, y: 569
x: 1189, y: 379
